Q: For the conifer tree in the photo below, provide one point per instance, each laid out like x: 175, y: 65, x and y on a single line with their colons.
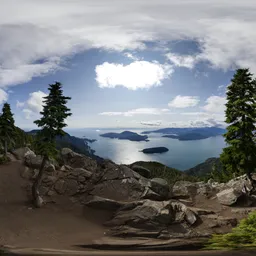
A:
x: 51, y: 123
x: 239, y: 157
x: 7, y: 127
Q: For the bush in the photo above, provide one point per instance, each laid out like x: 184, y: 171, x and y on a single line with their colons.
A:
x: 4, y: 160
x: 241, y: 237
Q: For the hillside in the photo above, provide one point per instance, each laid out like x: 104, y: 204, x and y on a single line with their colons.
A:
x: 78, y: 145
x: 162, y: 171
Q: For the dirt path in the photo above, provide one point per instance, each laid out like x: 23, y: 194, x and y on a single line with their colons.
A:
x: 54, y: 226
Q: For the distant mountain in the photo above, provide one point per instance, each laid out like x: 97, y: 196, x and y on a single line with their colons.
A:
x: 126, y: 135
x: 155, y: 150
x: 189, y: 133
x: 78, y: 145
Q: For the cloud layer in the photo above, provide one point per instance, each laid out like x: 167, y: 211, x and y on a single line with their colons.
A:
x: 35, y: 36
x: 138, y: 111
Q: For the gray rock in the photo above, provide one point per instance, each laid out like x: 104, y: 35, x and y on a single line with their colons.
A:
x: 21, y: 153
x: 76, y: 160
x: 229, y: 196
x: 160, y: 186
x: 50, y: 168
x: 184, y: 189
x: 60, y: 186
x: 103, y: 203
x: 78, y: 172
x: 141, y: 170
x: 150, y: 194
x: 72, y: 187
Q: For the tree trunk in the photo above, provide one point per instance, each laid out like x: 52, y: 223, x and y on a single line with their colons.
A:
x: 37, y: 200
x: 5, y: 148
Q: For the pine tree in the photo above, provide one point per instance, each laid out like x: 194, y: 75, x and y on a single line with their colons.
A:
x: 7, y: 128
x: 51, y: 123
x: 239, y: 157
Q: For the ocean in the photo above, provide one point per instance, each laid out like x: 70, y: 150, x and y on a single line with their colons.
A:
x: 181, y: 155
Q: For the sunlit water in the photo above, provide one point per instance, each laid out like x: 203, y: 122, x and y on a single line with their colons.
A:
x: 181, y: 155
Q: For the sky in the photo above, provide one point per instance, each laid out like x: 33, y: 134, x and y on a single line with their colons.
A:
x: 125, y: 63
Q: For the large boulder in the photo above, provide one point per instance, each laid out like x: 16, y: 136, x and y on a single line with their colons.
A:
x: 184, y: 189
x: 141, y: 170
x: 153, y: 215
x: 21, y: 153
x: 76, y: 160
x: 161, y: 187
x: 229, y: 196
x: 117, y: 182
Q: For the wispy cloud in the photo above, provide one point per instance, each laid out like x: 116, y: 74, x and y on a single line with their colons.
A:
x: 138, y: 111
x: 186, y: 61
x: 151, y: 123
x: 3, y: 96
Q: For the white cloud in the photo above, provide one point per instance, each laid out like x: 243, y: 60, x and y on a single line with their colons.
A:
x: 184, y: 101
x: 187, y: 61
x: 151, y: 123
x: 131, y: 56
x: 32, y: 32
x: 215, y: 104
x: 3, y: 96
x: 137, y: 75
x: 34, y: 105
x: 138, y: 111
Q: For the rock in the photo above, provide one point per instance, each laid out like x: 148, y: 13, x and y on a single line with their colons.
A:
x: 141, y: 170
x: 229, y: 196
x: 80, y: 172
x: 200, y: 211
x: 60, y: 186
x: 76, y: 160
x: 184, y: 189
x: 28, y: 173
x: 11, y: 157
x: 103, y: 203
x: 21, y: 153
x: 49, y: 180
x: 71, y: 187
x: 150, y: 194
x: 33, y: 161
x: 50, y: 168
x: 160, y: 186
x: 241, y: 183
x: 153, y: 215
x: 214, y: 221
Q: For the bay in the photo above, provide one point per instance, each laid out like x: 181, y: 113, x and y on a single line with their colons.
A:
x: 181, y: 155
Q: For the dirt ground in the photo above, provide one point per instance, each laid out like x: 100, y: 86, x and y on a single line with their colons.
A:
x: 57, y: 226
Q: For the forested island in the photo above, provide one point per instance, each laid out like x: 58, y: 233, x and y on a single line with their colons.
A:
x: 155, y: 150
x: 126, y: 135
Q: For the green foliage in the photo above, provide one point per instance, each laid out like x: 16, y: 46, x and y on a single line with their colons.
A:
x: 241, y: 237
x: 7, y: 128
x: 52, y: 121
x: 239, y: 156
x: 3, y: 159
x: 171, y: 175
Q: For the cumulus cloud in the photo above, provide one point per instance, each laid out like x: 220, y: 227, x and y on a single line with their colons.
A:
x: 215, y: 104
x: 3, y: 96
x: 138, y: 111
x: 33, y: 105
x: 225, y: 31
x: 184, y: 101
x: 187, y: 61
x: 136, y: 75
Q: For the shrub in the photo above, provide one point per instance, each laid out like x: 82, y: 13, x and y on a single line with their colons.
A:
x: 241, y: 237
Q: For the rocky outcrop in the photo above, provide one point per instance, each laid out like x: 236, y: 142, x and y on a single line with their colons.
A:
x: 141, y: 170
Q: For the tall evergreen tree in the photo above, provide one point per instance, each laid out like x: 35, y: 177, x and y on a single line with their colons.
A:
x: 7, y: 127
x: 239, y: 157
x: 51, y: 123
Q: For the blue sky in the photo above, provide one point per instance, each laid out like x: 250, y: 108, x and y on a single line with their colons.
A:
x: 125, y: 63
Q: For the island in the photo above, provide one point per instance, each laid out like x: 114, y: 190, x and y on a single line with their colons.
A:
x: 126, y: 135
x: 195, y: 133
x: 155, y: 150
